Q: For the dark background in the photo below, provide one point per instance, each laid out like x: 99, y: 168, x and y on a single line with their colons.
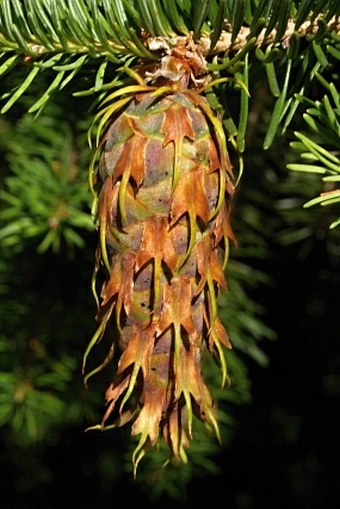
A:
x: 285, y: 449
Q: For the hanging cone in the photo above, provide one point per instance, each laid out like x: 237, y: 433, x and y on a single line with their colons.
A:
x: 164, y: 221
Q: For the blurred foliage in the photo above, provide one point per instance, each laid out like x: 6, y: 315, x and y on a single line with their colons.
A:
x: 39, y: 369
x: 321, y: 154
x: 45, y: 196
x: 318, y: 172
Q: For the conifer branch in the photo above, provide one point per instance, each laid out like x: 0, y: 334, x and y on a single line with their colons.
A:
x: 225, y: 44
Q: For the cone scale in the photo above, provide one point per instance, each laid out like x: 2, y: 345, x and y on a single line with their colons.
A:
x: 164, y: 219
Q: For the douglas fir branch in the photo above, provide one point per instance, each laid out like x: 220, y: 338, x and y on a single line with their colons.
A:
x: 165, y: 184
